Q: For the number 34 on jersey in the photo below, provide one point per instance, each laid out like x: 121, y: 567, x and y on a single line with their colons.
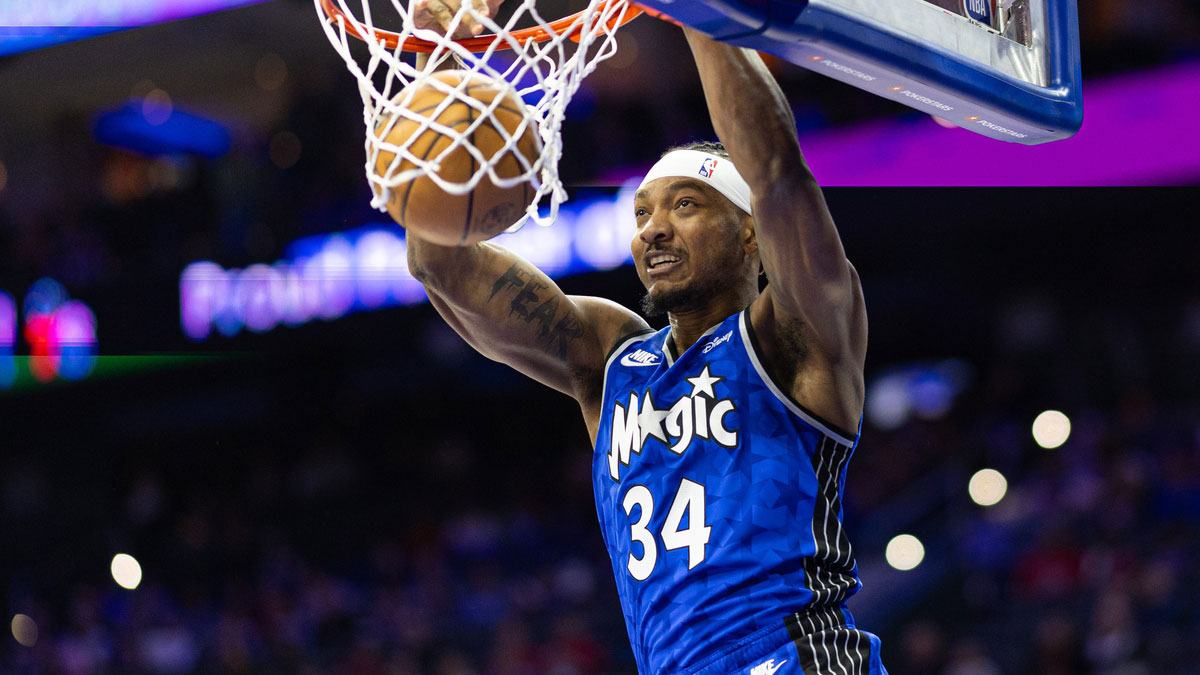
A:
x: 689, y: 501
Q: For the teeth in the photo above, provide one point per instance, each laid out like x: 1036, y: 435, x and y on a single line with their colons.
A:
x: 661, y: 260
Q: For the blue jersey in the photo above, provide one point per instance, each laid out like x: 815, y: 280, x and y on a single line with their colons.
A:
x: 719, y: 498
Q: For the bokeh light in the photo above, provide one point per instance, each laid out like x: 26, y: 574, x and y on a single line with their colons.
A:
x: 157, y: 107
x: 904, y: 552
x: 888, y: 406
x: 1051, y: 429
x: 25, y: 630
x: 126, y: 571
x: 285, y: 149
x: 987, y: 487
x: 270, y: 72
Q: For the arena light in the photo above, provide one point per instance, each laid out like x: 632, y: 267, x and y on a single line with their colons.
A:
x: 24, y: 630
x: 126, y: 571
x: 154, y: 126
x: 329, y: 276
x: 888, y: 405
x: 850, y: 156
x: 987, y: 487
x: 1051, y: 429
x: 61, y: 334
x: 31, y: 25
x: 923, y: 390
x: 904, y: 552
x: 8, y: 340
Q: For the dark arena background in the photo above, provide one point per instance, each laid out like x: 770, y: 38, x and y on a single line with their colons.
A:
x: 199, y: 476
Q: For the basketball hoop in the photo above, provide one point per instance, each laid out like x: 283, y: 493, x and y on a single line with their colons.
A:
x: 547, y: 62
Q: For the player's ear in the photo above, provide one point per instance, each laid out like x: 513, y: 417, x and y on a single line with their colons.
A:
x: 749, y: 235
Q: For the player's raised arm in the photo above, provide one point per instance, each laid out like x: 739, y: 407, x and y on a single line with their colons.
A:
x: 512, y: 312
x: 801, y: 252
x: 811, y: 320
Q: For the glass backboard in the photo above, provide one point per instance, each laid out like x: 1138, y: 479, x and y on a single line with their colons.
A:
x: 1007, y: 69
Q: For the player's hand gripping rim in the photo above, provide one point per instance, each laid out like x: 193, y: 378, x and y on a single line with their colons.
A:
x: 438, y: 15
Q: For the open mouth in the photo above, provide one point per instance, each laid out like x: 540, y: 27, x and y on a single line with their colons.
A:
x: 661, y: 260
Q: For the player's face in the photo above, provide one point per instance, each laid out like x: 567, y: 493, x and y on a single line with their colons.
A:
x: 688, y: 245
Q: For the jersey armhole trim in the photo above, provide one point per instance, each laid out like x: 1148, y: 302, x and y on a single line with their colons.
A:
x: 752, y: 349
x: 622, y: 343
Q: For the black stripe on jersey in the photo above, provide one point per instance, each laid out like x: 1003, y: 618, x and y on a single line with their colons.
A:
x: 829, y: 572
x: 623, y: 339
x: 669, y: 349
x: 826, y: 646
x: 808, y: 656
x: 823, y: 641
x: 862, y: 653
x: 787, y: 391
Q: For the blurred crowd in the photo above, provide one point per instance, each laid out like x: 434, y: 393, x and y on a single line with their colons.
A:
x: 369, y: 496
x: 377, y: 538
x: 356, y: 541
x: 1088, y: 565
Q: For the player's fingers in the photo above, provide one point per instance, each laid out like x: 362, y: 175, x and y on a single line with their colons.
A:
x: 443, y: 11
x: 469, y: 23
x: 484, y: 9
x: 423, y: 17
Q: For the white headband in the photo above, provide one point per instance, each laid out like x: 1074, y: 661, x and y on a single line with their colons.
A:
x: 716, y: 171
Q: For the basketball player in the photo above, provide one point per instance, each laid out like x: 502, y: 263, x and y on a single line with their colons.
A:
x: 721, y: 441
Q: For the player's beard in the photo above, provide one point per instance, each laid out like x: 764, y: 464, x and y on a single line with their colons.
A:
x: 690, y: 297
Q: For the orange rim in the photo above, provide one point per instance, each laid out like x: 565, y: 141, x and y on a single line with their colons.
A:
x: 483, y: 42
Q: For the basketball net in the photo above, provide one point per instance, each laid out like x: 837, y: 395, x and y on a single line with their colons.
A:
x: 547, y: 63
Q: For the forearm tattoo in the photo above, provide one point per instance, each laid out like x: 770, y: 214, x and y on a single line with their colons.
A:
x: 520, y: 287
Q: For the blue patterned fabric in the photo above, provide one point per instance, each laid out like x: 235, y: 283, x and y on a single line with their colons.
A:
x: 719, y: 498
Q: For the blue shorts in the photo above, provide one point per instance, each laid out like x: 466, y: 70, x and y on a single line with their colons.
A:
x: 817, y: 642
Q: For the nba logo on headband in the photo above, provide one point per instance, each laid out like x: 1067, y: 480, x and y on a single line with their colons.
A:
x: 682, y: 163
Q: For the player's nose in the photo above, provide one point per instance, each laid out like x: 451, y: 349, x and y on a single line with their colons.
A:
x: 656, y: 229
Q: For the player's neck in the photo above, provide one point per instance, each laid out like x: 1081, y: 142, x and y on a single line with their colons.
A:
x: 688, y: 326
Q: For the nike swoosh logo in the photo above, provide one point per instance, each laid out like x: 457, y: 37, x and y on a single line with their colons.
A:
x: 626, y: 361
x: 771, y: 671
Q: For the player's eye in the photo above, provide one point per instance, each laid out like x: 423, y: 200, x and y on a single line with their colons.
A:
x: 685, y: 202
x: 640, y: 211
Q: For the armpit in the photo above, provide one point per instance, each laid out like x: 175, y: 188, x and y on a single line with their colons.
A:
x: 793, y: 348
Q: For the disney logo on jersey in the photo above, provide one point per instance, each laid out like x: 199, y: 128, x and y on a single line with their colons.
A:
x: 710, y: 346
x: 641, y: 357
x: 698, y: 414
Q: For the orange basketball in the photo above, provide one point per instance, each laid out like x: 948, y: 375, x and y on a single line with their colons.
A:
x: 423, y: 208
